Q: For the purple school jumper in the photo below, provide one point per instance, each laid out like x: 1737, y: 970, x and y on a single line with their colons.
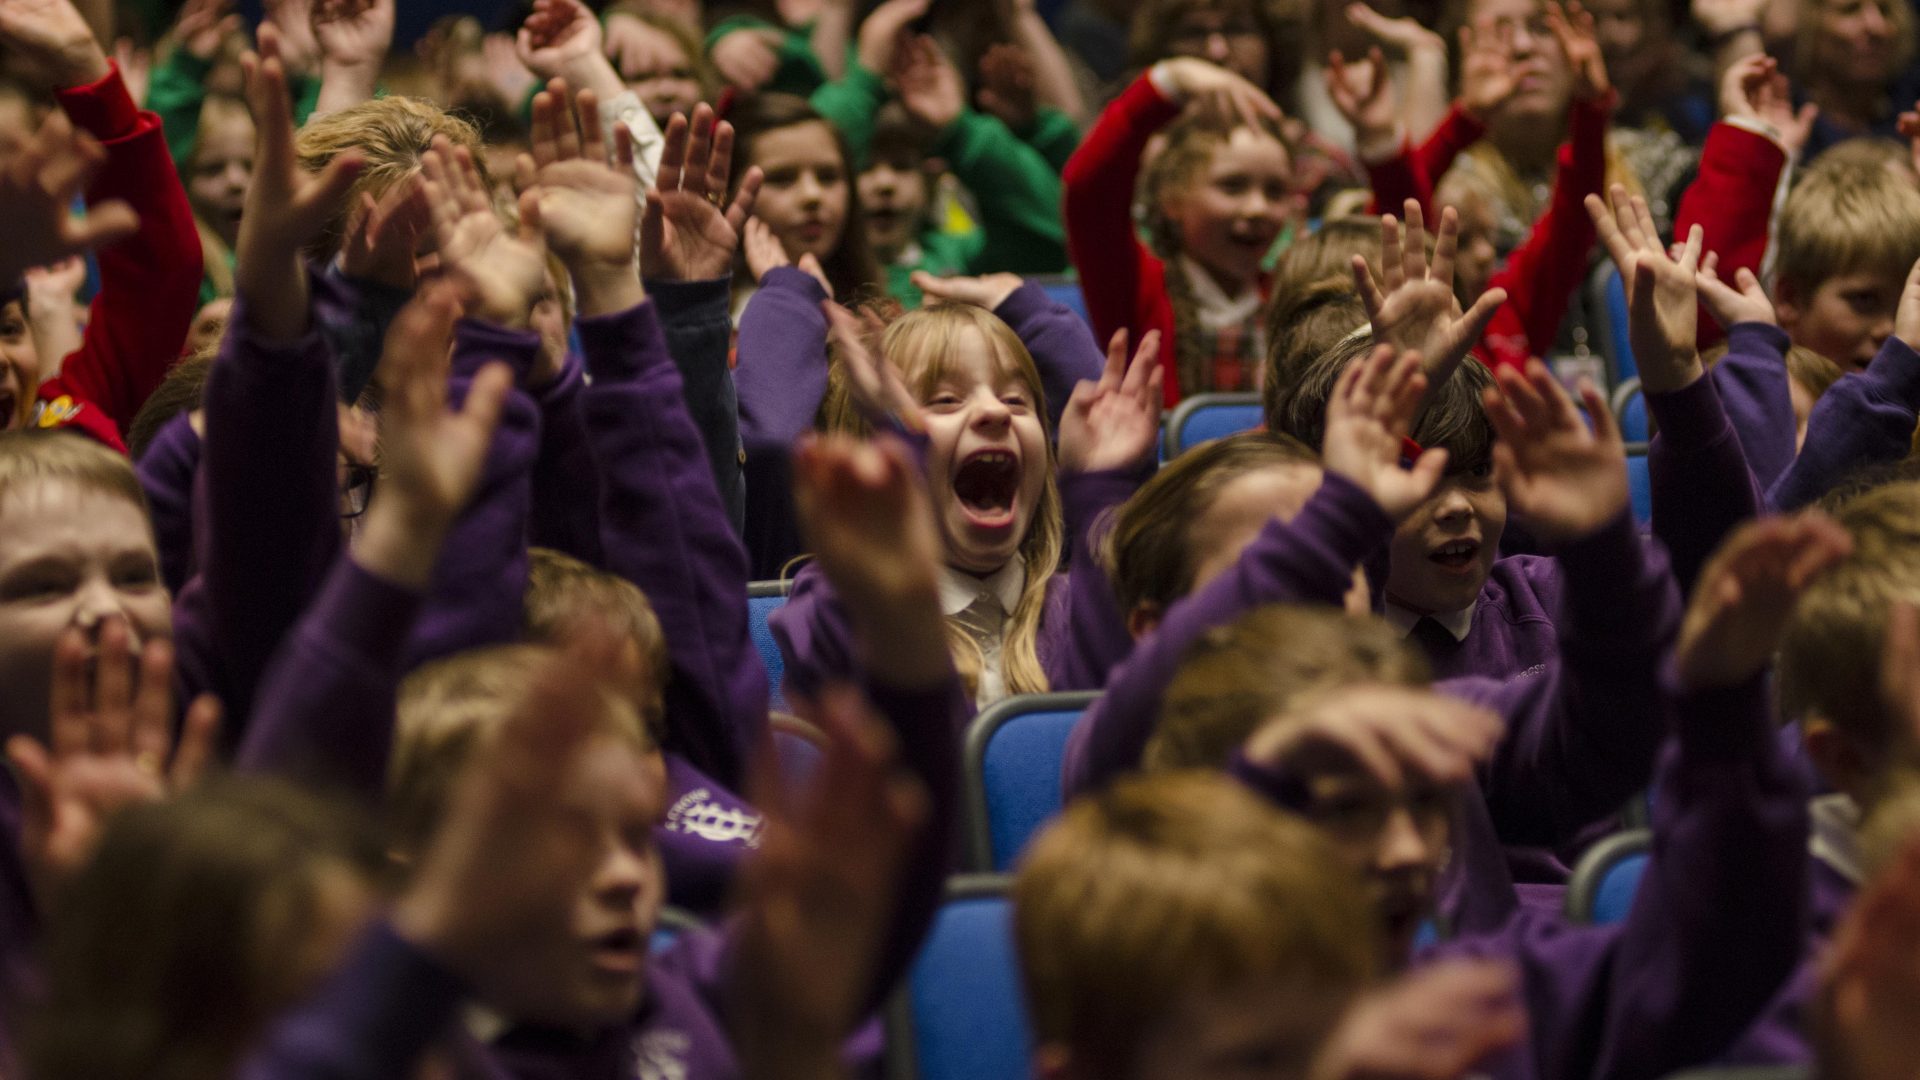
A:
x: 1702, y: 485
x: 166, y: 475
x: 1867, y: 418
x: 782, y: 378
x: 1582, y: 732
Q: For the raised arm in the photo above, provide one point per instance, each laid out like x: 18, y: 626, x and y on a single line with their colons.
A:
x: 1307, y: 560
x: 663, y: 525
x: 1063, y: 350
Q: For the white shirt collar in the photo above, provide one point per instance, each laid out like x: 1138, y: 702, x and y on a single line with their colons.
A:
x: 1835, y: 835
x: 1217, y: 309
x: 1458, y: 623
x: 959, y: 589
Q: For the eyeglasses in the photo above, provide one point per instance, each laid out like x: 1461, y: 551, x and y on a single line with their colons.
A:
x: 356, y: 489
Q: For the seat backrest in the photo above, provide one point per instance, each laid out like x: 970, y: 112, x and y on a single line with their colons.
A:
x: 763, y: 597
x: 961, y: 1015
x: 1607, y: 306
x: 1205, y: 417
x: 1013, y: 756
x: 1639, y: 483
x: 1066, y: 292
x: 1603, y: 885
x: 1630, y: 408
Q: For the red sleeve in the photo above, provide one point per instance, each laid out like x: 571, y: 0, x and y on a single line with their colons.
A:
x: 1542, y: 273
x: 1396, y: 180
x: 1732, y: 201
x: 150, y: 282
x: 1117, y: 272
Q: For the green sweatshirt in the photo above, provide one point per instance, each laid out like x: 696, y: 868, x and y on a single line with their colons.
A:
x: 178, y: 89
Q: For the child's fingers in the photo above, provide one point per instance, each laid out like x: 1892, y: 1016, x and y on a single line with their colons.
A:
x: 1114, y: 372
x: 653, y: 228
x: 35, y: 770
x: 196, y: 748
x: 1445, y: 246
x: 543, y: 139
x: 693, y: 177
x: 1690, y: 255
x: 1507, y: 423
x: 1413, y: 249
x: 593, y: 140
x: 673, y: 154
x: 67, y: 703
x: 1370, y: 295
x: 486, y: 398
x: 113, y: 688
x: 1392, y: 266
x: 151, y: 719
x: 1605, y: 428
x: 1480, y: 315
x: 1146, y: 361
x: 745, y: 199
x: 720, y: 170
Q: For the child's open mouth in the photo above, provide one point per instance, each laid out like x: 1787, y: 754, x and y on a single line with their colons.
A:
x: 620, y: 952
x: 1456, y: 554
x: 986, y: 485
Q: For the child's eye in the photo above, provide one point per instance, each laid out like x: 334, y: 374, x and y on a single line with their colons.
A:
x: 136, y: 574
x: 1232, y: 185
x: 1016, y: 401
x: 782, y: 177
x: 827, y: 177
x: 37, y: 586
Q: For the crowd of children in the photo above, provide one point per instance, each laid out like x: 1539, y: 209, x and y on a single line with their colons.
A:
x: 390, y: 442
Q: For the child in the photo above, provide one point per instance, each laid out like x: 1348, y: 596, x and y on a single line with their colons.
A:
x: 1018, y: 193
x: 660, y: 60
x: 809, y: 198
x: 1217, y: 197
x: 217, y: 173
x: 963, y: 378
x: 145, y: 303
x: 1846, y: 239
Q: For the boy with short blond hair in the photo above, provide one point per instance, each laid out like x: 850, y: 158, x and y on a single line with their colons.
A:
x: 1845, y: 241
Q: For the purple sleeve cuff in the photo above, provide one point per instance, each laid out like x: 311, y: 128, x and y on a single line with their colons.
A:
x: 1758, y: 337
x: 1692, y: 415
x: 615, y: 343
x: 794, y: 279
x: 242, y: 347
x: 1897, y: 367
x: 477, y: 343
x: 1360, y: 525
x: 1025, y: 302
x: 1277, y: 786
x: 103, y: 109
x: 691, y: 300
x: 1722, y: 723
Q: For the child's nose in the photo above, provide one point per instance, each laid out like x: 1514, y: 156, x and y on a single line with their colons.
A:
x: 1401, y: 846
x: 1217, y: 48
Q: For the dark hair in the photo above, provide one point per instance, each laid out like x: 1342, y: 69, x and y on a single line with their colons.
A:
x: 1302, y: 324
x: 851, y: 267
x: 181, y: 391
x: 1452, y: 417
x: 1154, y: 20
x: 172, y: 949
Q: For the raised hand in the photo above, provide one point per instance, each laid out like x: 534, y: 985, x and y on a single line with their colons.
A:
x: 205, y: 25
x: 504, y: 270
x: 1662, y: 290
x: 747, y: 59
x: 1572, y: 26
x: 1114, y: 423
x: 286, y: 206
x: 524, y: 832
x: 765, y: 253
x: 354, y: 33
x: 562, y: 39
x: 587, y: 202
x: 1393, y: 732
x: 1567, y: 480
x: 49, y: 42
x: 1718, y: 17
x: 688, y: 232
x: 876, y: 386
x: 1487, y: 79
x: 431, y: 455
x: 1743, y: 301
x: 1755, y: 89
x: 1403, y: 35
x: 38, y: 185
x: 928, y: 84
x: 868, y: 519
x: 817, y: 897
x: 1364, y: 96
x: 1906, y: 317
x: 1412, y: 305
x: 384, y: 236
x: 1369, y: 419
x: 1203, y: 85
x: 111, y: 745
x: 1008, y: 88
x: 1439, y: 1023
x: 1747, y: 593
x: 988, y: 291
x: 883, y: 31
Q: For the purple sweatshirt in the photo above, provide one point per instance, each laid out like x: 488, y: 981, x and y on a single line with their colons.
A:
x: 1702, y: 486
x: 1867, y: 418
x: 782, y: 378
x: 166, y: 475
x: 1582, y: 731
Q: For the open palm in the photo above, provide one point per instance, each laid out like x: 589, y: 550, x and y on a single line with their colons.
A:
x: 685, y: 233
x: 1567, y: 480
x: 587, y: 201
x: 1412, y: 305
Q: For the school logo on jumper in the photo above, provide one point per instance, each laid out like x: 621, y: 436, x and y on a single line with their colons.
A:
x: 697, y: 814
x: 661, y: 1055
x: 55, y: 413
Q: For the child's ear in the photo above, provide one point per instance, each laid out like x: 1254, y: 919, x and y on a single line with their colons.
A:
x: 1051, y: 1061
x: 1144, y: 619
x: 1840, y: 761
x: 1787, y: 301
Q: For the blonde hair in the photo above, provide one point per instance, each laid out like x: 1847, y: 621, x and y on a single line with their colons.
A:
x: 393, y: 133
x: 1159, y: 889
x: 1843, y: 219
x: 66, y: 457
x: 564, y: 593
x: 1812, y: 372
x: 1191, y: 142
x: 921, y: 345
x: 449, y: 709
x: 1150, y: 549
x: 1829, y: 664
x: 1237, y: 677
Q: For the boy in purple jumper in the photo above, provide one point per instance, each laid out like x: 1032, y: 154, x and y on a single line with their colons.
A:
x: 1584, y: 731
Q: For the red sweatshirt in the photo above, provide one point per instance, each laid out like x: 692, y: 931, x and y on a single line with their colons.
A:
x: 1125, y: 284
x: 1732, y: 201
x: 149, y: 283
x: 1540, y: 275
